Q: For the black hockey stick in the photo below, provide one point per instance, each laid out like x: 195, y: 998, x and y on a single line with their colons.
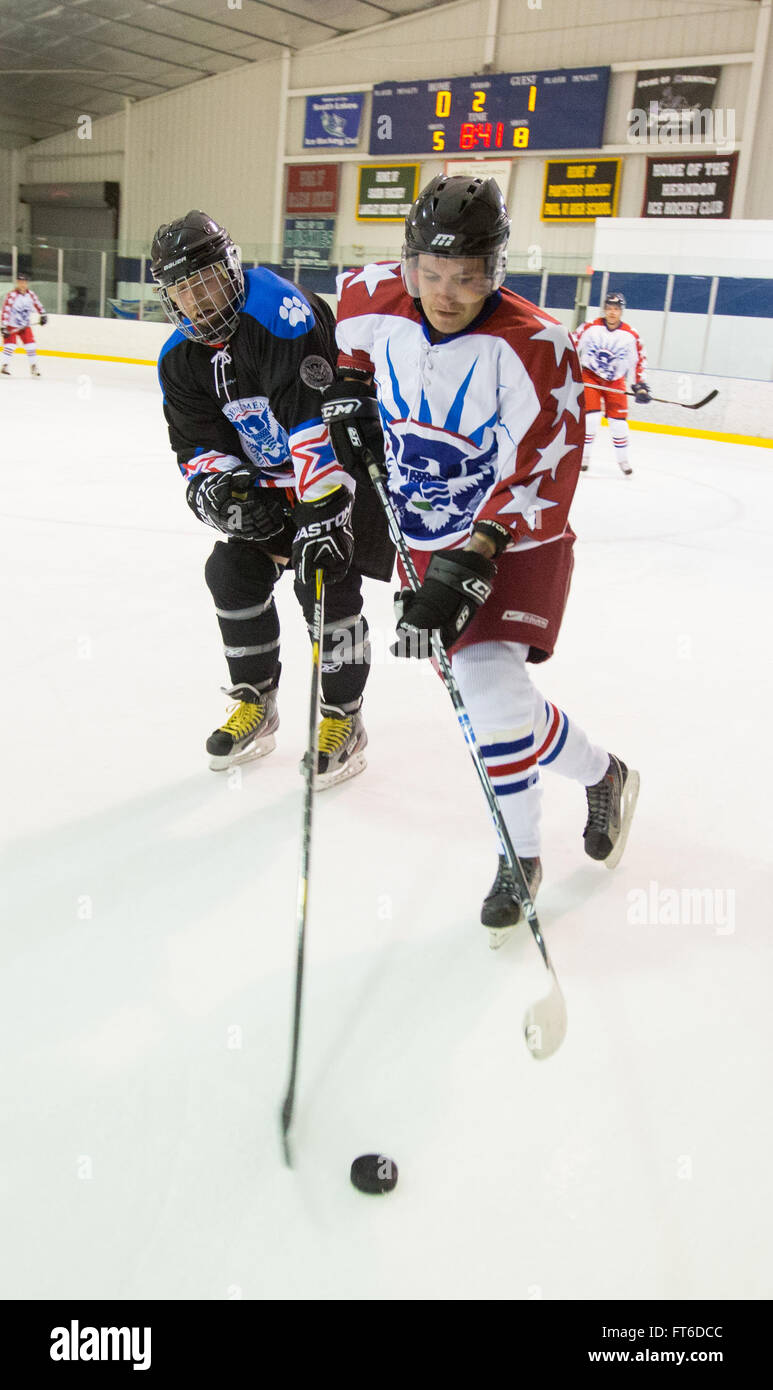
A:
x: 545, y: 1021
x: 309, y: 769
x: 686, y: 405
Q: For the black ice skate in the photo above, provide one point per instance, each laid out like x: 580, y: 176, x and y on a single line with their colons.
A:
x: 501, y: 910
x: 34, y: 370
x: 249, y: 730
x: 5, y: 370
x: 342, y: 740
x: 611, y: 804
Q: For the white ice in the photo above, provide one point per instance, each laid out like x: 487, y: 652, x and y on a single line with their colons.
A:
x: 148, y: 945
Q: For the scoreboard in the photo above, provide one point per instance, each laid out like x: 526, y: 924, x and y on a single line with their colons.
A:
x: 560, y: 109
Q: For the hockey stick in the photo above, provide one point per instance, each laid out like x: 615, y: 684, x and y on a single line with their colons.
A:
x: 545, y: 1021
x: 309, y: 768
x: 686, y: 405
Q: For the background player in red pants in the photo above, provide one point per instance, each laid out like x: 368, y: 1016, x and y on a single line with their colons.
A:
x: 609, y: 349
x: 18, y: 307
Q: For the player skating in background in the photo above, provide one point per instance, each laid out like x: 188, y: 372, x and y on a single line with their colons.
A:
x: 15, y: 322
x: 609, y: 349
x: 480, y: 399
x: 242, y: 379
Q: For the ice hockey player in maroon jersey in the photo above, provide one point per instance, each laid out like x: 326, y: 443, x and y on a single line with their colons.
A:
x: 15, y: 322
x: 609, y: 349
x: 480, y: 401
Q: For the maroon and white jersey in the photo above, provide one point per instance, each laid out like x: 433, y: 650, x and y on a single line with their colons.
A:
x: 610, y: 352
x: 486, y: 424
x: 18, y: 309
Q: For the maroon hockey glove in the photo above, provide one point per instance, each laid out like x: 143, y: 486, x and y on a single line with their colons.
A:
x: 455, y: 586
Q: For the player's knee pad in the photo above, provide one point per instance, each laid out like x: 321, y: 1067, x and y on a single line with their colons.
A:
x: 236, y: 567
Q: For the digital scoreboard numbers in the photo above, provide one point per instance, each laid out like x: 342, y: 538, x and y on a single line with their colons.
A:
x: 561, y: 109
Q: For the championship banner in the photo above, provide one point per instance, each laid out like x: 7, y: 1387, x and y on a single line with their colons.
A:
x: 308, y: 240
x: 690, y: 187
x: 386, y: 192
x: 580, y: 190
x: 312, y: 189
x: 333, y: 120
x: 672, y: 103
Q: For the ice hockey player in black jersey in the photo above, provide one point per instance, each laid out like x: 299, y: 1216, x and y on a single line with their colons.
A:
x: 242, y: 377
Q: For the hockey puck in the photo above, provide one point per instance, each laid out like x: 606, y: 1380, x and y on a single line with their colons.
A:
x: 374, y: 1173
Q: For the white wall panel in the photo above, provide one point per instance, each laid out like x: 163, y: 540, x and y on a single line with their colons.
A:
x: 685, y: 246
x: 211, y: 145
x: 66, y: 158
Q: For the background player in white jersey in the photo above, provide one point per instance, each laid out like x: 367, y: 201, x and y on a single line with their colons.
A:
x: 15, y: 322
x: 479, y: 397
x: 609, y: 349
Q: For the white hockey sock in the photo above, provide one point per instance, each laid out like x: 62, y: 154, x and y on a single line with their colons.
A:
x: 564, y: 747
x: 8, y: 351
x: 619, y: 430
x: 31, y: 351
x: 500, y: 699
x: 592, y: 422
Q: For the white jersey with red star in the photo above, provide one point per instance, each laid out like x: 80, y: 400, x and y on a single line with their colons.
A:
x: 610, y: 353
x: 486, y: 424
x: 18, y: 309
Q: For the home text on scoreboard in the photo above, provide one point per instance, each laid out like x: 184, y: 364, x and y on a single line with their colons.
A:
x: 559, y: 109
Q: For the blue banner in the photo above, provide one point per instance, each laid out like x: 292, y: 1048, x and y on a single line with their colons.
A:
x: 333, y: 120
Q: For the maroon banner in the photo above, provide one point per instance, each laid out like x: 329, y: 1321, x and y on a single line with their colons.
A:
x: 312, y: 189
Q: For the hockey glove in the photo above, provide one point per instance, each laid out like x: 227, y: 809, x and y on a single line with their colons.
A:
x: 231, y: 503
x: 350, y: 411
x: 324, y: 539
x: 455, y: 586
x: 8, y: 333
x: 43, y: 320
x: 642, y: 393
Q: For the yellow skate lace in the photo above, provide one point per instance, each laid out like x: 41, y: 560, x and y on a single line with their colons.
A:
x: 333, y: 733
x: 244, y: 718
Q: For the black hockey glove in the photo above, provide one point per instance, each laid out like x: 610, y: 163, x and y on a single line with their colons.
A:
x: 8, y: 333
x: 43, y: 320
x: 324, y: 539
x: 642, y: 393
x: 350, y: 411
x: 231, y: 503
x: 456, y: 584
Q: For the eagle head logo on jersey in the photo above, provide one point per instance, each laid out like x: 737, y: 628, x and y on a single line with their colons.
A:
x: 436, y: 483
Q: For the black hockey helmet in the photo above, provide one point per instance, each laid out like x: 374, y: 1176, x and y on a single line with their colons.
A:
x: 198, y: 271
x: 457, y: 216
x: 615, y: 298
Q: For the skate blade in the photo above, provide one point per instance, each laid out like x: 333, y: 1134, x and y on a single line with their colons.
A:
x: 259, y: 749
x: 357, y: 763
x: 629, y: 798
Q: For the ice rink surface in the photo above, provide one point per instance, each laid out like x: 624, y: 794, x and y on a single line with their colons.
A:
x: 148, y: 939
